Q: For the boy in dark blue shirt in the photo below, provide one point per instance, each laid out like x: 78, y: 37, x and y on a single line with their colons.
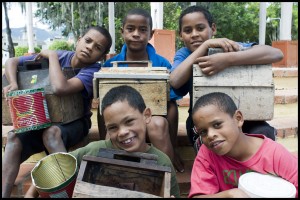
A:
x: 91, y: 47
x: 196, y: 29
x: 136, y: 32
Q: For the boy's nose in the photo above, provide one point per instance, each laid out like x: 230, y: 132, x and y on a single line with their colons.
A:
x: 195, y: 32
x: 89, y: 46
x: 211, y: 133
x: 136, y: 32
x: 123, y: 131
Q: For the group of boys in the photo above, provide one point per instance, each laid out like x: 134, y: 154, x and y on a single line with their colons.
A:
x: 214, y: 121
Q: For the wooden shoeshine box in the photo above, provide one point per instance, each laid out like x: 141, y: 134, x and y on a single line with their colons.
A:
x: 119, y: 174
x: 151, y: 82
x: 250, y: 86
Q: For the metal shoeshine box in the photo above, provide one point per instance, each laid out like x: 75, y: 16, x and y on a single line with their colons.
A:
x: 35, y: 74
x: 151, y: 82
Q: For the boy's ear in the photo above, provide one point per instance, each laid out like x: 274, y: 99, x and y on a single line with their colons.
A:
x: 147, y: 115
x: 151, y: 34
x: 180, y: 36
x: 238, y: 116
x: 214, y: 29
x: 79, y: 38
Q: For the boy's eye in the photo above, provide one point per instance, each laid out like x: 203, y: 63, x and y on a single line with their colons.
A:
x: 187, y: 30
x: 144, y: 29
x: 200, y: 27
x: 111, y: 128
x: 217, y: 125
x: 202, y: 133
x: 129, y: 29
x: 129, y: 122
x: 99, y: 48
x: 87, y: 40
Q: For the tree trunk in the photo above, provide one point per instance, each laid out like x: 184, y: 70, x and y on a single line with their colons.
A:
x: 11, y: 49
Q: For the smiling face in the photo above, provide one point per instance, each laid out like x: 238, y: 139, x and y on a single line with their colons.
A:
x: 220, y: 132
x: 126, y: 126
x: 136, y: 32
x: 195, y: 30
x: 91, y: 47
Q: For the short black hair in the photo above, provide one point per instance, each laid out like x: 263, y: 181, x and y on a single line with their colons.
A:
x: 138, y: 11
x: 193, y: 9
x: 123, y: 93
x: 223, y: 101
x: 104, y: 32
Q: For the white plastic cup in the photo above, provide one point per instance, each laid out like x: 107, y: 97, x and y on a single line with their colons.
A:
x: 258, y: 185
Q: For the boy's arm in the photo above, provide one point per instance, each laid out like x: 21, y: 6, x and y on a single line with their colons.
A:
x: 11, y: 74
x: 60, y: 85
x: 184, y: 71
x: 258, y: 54
x: 31, y: 192
x: 232, y: 193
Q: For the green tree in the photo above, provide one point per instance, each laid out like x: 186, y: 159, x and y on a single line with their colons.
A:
x: 70, y: 17
x: 60, y: 45
x: 238, y: 21
x: 22, y: 50
x: 295, y: 21
x: 272, y: 27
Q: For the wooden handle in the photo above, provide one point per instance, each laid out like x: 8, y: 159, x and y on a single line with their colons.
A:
x: 95, y: 88
x: 123, y: 155
x: 115, y: 63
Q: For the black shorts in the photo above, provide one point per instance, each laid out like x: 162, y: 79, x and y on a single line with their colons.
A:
x: 72, y: 133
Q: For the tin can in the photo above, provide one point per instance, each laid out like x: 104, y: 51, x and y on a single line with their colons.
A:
x: 54, y: 176
x: 28, y: 109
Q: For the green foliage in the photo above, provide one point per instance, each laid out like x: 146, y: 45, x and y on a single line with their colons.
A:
x: 171, y: 23
x: 273, y: 27
x: 238, y: 21
x: 60, y: 45
x: 37, y: 49
x: 295, y: 21
x: 21, y: 50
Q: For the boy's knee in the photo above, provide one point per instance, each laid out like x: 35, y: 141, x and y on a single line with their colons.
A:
x: 51, y: 133
x: 159, y: 123
x: 13, y: 142
x: 11, y: 136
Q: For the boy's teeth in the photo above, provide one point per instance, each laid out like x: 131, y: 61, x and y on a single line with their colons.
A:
x: 127, y: 141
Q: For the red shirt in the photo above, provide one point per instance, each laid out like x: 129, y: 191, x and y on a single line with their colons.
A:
x: 212, y: 173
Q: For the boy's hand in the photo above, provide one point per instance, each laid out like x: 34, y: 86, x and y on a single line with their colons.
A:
x: 213, y: 64
x: 224, y: 43
x: 44, y: 54
x: 237, y: 193
x: 8, y: 88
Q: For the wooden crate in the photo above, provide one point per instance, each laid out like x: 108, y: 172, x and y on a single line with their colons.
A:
x: 120, y: 174
x: 62, y: 109
x: 250, y: 86
x: 151, y: 82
